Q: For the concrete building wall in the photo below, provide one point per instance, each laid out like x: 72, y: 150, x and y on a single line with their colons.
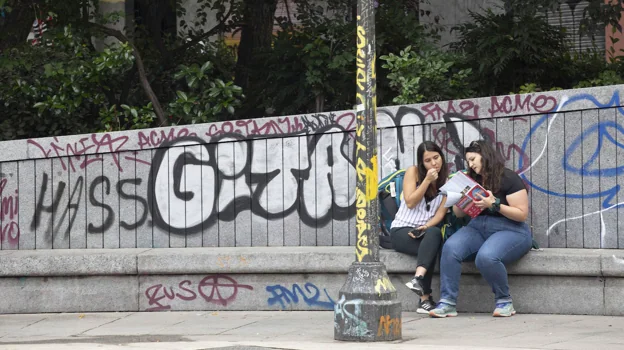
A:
x: 451, y: 13
x: 447, y: 13
x: 568, y: 15
x: 123, y: 7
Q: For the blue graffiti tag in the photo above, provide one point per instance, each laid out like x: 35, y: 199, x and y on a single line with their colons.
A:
x: 285, y: 296
x: 602, y: 129
x: 586, y: 169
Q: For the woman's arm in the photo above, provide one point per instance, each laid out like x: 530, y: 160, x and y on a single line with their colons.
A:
x: 439, y: 215
x: 412, y: 194
x: 437, y: 218
x: 517, y: 210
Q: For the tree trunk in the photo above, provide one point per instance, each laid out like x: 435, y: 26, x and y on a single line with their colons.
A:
x: 320, y: 102
x: 160, y: 113
x: 256, y: 35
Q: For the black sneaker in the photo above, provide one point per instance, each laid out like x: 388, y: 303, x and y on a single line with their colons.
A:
x: 426, y: 306
x: 416, y: 286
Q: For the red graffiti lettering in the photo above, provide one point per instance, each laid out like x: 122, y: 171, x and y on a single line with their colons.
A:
x: 245, y: 124
x: 230, y: 287
x: 143, y: 140
x: 10, y: 233
x: 545, y: 104
x: 269, y: 128
x: 155, y: 139
x: 349, y: 120
x: 190, y: 297
x: 227, y: 127
x: 169, y: 295
x: 10, y: 203
x: 441, y: 137
x: 436, y: 111
x: 297, y: 126
x: 507, y: 150
x: 56, y: 149
x: 78, y: 150
x: 213, y: 130
x: 153, y: 299
x: 69, y: 152
x: 222, y: 291
x: 251, y: 127
x: 468, y: 106
x: 108, y: 144
x: 45, y: 153
x: 8, y: 215
x: 522, y: 104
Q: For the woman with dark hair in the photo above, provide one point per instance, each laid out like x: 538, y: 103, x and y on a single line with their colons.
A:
x: 413, y: 229
x: 496, y: 237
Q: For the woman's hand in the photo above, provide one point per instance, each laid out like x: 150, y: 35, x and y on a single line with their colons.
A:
x: 432, y: 175
x: 485, y: 202
x: 412, y: 193
x: 419, y: 228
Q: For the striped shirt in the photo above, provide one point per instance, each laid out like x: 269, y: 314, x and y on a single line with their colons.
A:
x: 417, y: 216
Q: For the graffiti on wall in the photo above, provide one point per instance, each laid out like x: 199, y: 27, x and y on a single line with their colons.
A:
x: 310, y: 295
x: 291, y: 180
x: 599, y: 137
x: 214, y: 289
x: 9, y: 227
x: 234, y: 292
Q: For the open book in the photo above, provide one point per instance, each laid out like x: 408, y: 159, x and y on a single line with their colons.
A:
x: 461, y: 190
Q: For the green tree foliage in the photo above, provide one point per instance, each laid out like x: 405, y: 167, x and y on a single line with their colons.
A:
x: 206, y: 99
x: 167, y: 67
x: 427, y: 75
x: 311, y: 67
x: 142, y: 79
x: 58, y: 89
x: 509, y: 49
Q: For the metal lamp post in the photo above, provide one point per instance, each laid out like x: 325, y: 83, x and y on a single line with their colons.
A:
x: 367, y: 308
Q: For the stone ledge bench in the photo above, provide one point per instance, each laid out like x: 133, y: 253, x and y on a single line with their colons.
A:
x: 557, y: 281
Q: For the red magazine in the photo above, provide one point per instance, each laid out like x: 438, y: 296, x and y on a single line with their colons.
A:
x: 462, y: 190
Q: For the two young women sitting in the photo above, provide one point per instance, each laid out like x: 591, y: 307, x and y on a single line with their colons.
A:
x: 498, y: 236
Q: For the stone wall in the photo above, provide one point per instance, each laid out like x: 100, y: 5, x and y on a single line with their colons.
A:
x: 289, y: 181
x: 294, y: 278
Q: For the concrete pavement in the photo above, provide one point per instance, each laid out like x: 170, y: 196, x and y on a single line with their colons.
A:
x: 300, y: 330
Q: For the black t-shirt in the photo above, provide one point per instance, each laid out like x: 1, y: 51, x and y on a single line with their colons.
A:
x: 510, y: 184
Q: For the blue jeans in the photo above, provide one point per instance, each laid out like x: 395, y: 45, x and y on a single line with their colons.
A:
x: 492, y: 242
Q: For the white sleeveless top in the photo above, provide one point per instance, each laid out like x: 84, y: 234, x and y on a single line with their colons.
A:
x: 417, y: 216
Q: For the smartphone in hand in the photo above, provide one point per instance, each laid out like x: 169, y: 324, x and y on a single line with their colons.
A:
x: 417, y: 234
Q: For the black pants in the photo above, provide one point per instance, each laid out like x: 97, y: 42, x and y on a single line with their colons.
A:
x: 426, y: 249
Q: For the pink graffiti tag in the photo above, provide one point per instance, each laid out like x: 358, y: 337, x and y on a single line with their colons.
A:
x: 506, y: 151
x: 350, y: 117
x: 107, y: 143
x: 251, y: 127
x: 8, y: 215
x: 524, y: 104
x: 213, y: 281
x: 468, y: 109
x: 223, y: 291
x: 441, y: 137
x: 155, y: 138
x: 77, y: 150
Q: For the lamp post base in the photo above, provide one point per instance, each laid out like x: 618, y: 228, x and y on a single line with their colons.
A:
x: 367, y: 309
